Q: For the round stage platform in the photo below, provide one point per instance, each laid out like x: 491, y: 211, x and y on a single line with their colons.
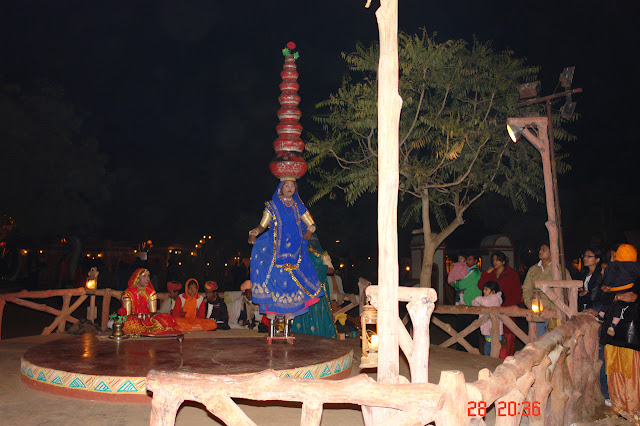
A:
x: 96, y: 368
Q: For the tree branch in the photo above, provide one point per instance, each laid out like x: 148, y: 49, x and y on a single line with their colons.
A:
x: 489, y: 108
x: 464, y: 176
x: 415, y: 118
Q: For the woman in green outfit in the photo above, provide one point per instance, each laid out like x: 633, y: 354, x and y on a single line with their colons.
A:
x: 318, y: 321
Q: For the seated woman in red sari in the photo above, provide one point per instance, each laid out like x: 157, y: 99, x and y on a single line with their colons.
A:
x: 189, y: 311
x: 139, y: 305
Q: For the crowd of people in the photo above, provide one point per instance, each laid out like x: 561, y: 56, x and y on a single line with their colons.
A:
x: 611, y: 284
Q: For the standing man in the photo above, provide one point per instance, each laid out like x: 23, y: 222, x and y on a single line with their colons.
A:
x: 215, y: 309
x: 469, y: 285
x: 540, y: 272
x: 173, y: 287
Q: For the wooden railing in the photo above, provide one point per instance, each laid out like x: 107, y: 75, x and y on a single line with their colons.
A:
x: 556, y: 378
x: 69, y: 306
x: 553, y: 289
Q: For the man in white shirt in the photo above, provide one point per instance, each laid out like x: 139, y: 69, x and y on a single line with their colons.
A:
x: 244, y: 314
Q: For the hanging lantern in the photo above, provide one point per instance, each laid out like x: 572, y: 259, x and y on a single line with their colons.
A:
x: 369, y: 324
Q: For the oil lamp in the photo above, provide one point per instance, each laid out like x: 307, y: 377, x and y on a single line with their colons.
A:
x: 536, y: 304
x: 91, y: 285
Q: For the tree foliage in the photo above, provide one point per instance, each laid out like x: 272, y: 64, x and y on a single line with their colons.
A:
x: 454, y: 148
x: 53, y: 176
x: 453, y: 144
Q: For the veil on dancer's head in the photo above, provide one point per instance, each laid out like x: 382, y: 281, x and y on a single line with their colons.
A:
x: 277, y: 196
x: 135, y: 277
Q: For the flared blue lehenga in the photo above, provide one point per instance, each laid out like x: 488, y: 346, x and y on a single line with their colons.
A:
x: 283, y: 279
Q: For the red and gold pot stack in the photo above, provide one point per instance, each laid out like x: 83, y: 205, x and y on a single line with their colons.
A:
x: 288, y: 162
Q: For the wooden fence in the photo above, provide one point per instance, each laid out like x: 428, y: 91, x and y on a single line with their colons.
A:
x: 553, y: 289
x: 554, y: 380
x: 69, y: 305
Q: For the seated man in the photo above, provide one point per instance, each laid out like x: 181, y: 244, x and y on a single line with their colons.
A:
x: 173, y: 287
x: 243, y: 312
x: 215, y: 308
x: 190, y: 309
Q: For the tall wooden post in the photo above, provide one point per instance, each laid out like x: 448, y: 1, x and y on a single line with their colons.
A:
x: 541, y: 143
x: 389, y: 106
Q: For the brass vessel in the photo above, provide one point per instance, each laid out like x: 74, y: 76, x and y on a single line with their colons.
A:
x: 117, y: 333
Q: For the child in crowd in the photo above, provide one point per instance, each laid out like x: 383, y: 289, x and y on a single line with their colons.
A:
x: 458, y: 271
x: 619, y: 277
x: 492, y: 296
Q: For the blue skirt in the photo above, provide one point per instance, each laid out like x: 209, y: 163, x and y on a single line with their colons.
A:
x: 281, y: 290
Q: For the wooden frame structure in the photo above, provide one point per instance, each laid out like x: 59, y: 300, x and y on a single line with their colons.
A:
x: 559, y: 373
x: 551, y: 288
x: 64, y: 315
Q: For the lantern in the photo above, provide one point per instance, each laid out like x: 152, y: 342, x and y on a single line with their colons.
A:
x: 369, y: 324
x: 536, y: 302
x: 91, y: 284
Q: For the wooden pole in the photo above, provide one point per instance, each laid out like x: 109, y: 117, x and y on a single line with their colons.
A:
x: 35, y: 306
x: 541, y: 143
x: 389, y: 106
x: 556, y: 196
x: 92, y: 310
x: 66, y: 300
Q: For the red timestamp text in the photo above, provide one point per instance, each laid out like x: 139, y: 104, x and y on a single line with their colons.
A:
x: 505, y: 408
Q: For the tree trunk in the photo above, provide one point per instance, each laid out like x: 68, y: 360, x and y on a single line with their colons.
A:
x: 429, y: 249
x: 427, y: 262
x: 433, y: 241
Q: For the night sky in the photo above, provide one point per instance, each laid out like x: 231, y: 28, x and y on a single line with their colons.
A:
x: 182, y: 97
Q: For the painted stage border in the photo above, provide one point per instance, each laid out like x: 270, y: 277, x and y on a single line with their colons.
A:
x: 134, y: 389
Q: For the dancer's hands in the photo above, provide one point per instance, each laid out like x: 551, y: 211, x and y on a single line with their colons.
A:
x: 309, y: 232
x: 254, y: 233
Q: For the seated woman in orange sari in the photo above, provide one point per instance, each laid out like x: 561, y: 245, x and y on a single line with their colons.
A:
x: 139, y: 305
x: 189, y: 311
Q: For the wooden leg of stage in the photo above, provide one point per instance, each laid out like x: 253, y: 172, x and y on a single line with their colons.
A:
x: 164, y: 409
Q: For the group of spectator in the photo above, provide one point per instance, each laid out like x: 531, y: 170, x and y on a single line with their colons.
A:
x: 497, y: 286
x: 212, y: 305
x: 611, y: 285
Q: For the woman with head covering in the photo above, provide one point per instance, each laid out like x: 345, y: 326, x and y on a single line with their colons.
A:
x: 190, y: 309
x: 139, y: 302
x: 318, y: 321
x: 282, y: 276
